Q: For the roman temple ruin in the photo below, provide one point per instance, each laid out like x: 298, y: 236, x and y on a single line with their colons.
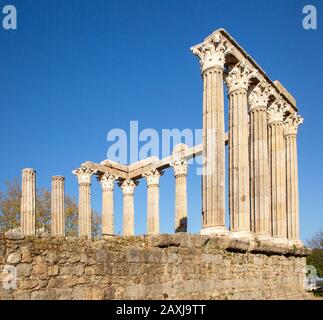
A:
x: 262, y: 175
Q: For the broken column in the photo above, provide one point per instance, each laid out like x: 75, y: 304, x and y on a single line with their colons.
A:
x: 58, y: 206
x: 28, y: 202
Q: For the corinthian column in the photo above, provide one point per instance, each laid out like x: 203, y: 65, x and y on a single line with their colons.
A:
x: 259, y: 170
x: 291, y: 126
x: 128, y: 190
x: 180, y: 171
x: 277, y: 168
x: 212, y: 57
x: 58, y: 206
x: 84, y: 179
x: 107, y: 184
x: 28, y: 202
x: 152, y: 178
x: 238, y: 80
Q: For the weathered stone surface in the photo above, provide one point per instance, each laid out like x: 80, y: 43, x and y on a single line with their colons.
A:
x: 14, y: 258
x: 180, y: 266
x: 23, y: 270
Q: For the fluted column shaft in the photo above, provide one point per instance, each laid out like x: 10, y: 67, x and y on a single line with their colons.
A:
x: 180, y: 171
x: 128, y: 189
x: 239, y: 192
x: 152, y: 201
x: 277, y: 167
x: 213, y: 180
x: 28, y: 202
x: 238, y: 80
x: 212, y: 54
x: 85, y: 212
x: 259, y: 172
x: 292, y: 187
x: 259, y: 168
x: 291, y: 127
x: 85, y: 224
x: 58, y: 206
x: 107, y: 184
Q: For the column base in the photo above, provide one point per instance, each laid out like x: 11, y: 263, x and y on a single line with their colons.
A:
x: 242, y: 235
x: 108, y: 235
x: 264, y: 237
x: 296, y: 243
x: 279, y: 240
x: 215, y: 231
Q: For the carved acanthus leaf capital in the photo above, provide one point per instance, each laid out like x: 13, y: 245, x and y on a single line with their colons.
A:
x: 292, y: 123
x: 180, y: 167
x: 128, y: 187
x: 84, y: 174
x: 107, y: 181
x: 212, y: 52
x: 259, y: 96
x: 239, y: 77
x: 152, y: 177
x: 276, y: 111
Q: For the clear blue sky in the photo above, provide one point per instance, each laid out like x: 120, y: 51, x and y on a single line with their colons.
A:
x: 76, y: 69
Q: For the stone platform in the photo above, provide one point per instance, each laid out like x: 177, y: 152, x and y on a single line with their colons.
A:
x: 178, y: 266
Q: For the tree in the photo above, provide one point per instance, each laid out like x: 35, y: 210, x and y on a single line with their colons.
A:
x: 316, y: 257
x: 10, y: 210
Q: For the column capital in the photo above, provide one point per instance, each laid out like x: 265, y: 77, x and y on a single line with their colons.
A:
x: 152, y: 177
x: 259, y: 96
x: 29, y: 171
x: 84, y: 174
x: 180, y: 167
x: 107, y: 181
x: 292, y: 123
x: 239, y: 77
x: 128, y: 187
x: 212, y: 52
x: 276, y: 111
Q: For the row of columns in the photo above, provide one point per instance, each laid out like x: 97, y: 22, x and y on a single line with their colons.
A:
x: 84, y: 174
x: 28, y: 204
x: 263, y: 179
x: 128, y: 189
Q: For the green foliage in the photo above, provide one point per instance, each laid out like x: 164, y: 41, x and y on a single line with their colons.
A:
x: 318, y: 293
x: 316, y: 257
x: 10, y: 210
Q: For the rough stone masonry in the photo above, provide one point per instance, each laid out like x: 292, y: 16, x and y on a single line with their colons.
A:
x: 179, y: 266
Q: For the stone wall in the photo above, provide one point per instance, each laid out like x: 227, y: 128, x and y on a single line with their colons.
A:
x: 179, y: 266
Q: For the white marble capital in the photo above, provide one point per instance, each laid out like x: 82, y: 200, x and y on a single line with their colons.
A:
x: 239, y: 77
x: 107, y: 181
x: 292, y: 123
x: 212, y: 52
x: 259, y: 96
x: 152, y: 177
x: 180, y: 167
x: 276, y: 111
x: 128, y: 187
x: 84, y: 174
